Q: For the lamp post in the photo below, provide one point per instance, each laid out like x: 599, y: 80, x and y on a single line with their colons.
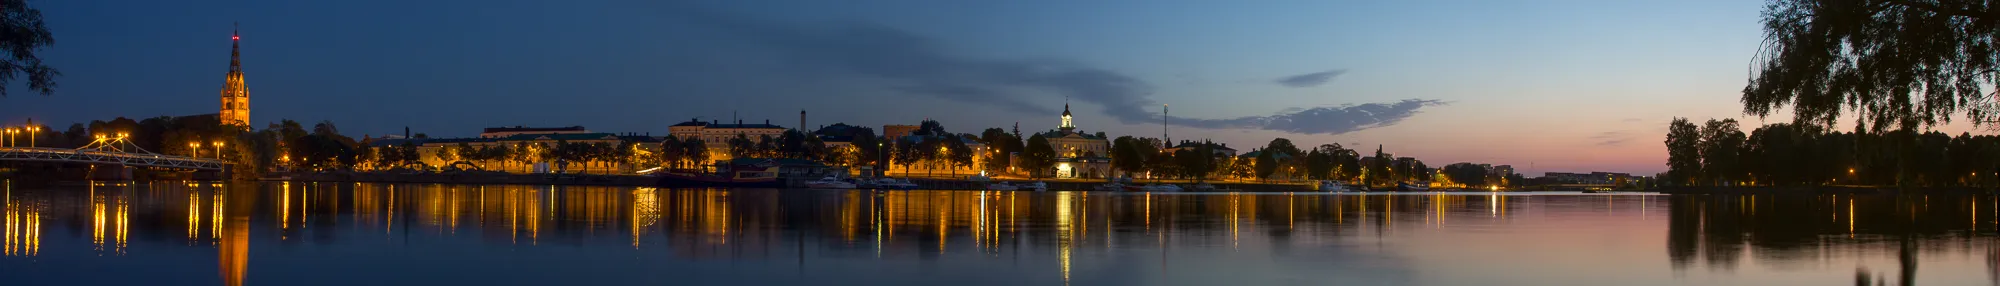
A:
x: 8, y: 134
x: 218, y: 150
x: 194, y: 149
x: 31, y: 134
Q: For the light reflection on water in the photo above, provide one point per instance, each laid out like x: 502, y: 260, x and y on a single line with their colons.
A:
x: 348, y: 233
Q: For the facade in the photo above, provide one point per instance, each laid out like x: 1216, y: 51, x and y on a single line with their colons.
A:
x: 1078, y: 155
x: 504, y: 132
x: 716, y: 135
x: 235, y: 98
x: 1592, y: 178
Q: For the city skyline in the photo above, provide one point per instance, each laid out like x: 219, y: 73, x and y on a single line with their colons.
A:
x: 1546, y: 87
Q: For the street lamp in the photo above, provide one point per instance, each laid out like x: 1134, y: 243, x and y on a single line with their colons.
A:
x: 218, y: 150
x: 194, y: 149
x: 31, y: 134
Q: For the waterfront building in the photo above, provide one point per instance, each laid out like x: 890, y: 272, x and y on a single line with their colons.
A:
x: 1592, y: 178
x: 428, y: 148
x: 716, y: 135
x: 235, y: 109
x: 1078, y: 154
x: 504, y: 132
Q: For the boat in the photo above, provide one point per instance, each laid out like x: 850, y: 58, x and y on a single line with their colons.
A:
x: 1153, y: 188
x: 1001, y: 186
x: 829, y: 182
x: 757, y: 175
x: 1038, y: 186
x: 1333, y: 186
x: 1413, y: 187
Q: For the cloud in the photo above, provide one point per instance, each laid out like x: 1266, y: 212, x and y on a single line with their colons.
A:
x: 1612, y: 138
x: 1321, y: 120
x: 913, y: 64
x: 1310, y: 79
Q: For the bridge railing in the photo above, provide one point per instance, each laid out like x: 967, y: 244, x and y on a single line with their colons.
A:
x: 93, y: 156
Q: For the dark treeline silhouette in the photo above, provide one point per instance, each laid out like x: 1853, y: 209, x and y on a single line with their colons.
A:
x: 1718, y: 153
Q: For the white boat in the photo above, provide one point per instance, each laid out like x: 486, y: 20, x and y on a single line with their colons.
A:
x: 1038, y: 186
x: 1001, y: 186
x: 1333, y: 186
x: 1110, y: 187
x: 829, y: 182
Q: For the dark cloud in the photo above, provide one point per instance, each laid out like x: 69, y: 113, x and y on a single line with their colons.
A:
x: 1611, y: 138
x: 1310, y: 79
x: 1321, y: 120
x: 919, y: 65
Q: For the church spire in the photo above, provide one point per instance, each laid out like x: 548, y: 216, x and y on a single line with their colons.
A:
x: 235, y: 64
x: 235, y: 109
x: 1066, y: 126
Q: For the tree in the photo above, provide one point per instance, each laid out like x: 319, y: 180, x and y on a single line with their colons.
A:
x: 25, y: 35
x: 1721, y: 145
x: 671, y: 152
x: 741, y: 146
x: 1378, y: 168
x: 957, y: 153
x: 1266, y: 164
x: 695, y: 151
x: 1125, y: 155
x: 1319, y: 165
x: 1468, y: 174
x: 868, y: 150
x: 1038, y: 157
x: 1683, y: 151
x: 1906, y: 63
x: 445, y: 154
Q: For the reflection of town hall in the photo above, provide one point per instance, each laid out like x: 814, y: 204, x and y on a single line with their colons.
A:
x: 1078, y: 155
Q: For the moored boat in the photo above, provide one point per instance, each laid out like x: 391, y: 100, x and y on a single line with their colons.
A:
x: 759, y: 175
x: 1413, y: 187
x: 829, y: 182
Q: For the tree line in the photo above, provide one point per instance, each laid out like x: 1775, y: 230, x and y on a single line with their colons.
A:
x: 1718, y: 153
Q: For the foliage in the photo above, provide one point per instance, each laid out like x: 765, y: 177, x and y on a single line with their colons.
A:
x: 1039, y: 157
x: 25, y: 34
x: 1683, y: 151
x: 1895, y: 62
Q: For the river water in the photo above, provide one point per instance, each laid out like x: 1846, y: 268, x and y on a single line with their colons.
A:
x: 382, y: 234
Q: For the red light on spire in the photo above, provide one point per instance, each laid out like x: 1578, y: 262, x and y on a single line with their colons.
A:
x: 235, y: 38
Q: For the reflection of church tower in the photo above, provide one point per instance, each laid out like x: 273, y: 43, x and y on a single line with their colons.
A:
x: 235, y: 98
x: 1067, y: 127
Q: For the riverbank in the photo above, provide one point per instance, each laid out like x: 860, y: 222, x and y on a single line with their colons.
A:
x: 646, y: 181
x: 1824, y: 190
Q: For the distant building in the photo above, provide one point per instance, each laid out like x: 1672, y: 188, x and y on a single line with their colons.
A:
x: 1592, y: 178
x: 1078, y: 155
x: 504, y: 132
x: 235, y: 98
x: 715, y: 135
x: 1220, y: 149
x: 895, y: 130
x: 1503, y: 170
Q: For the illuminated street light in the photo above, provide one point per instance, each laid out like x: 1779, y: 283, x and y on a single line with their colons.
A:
x: 194, y: 149
x: 218, y: 150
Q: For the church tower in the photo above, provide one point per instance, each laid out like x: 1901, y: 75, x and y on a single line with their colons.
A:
x: 1067, y: 126
x: 235, y: 98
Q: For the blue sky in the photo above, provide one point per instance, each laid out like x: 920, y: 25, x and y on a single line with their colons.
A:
x: 1542, y: 85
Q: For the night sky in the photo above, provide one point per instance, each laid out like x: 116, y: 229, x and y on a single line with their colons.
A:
x: 1542, y: 85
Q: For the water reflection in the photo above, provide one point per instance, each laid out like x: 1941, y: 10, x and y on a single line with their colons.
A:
x: 347, y: 233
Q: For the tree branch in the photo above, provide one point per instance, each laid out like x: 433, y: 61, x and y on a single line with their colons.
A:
x: 1962, y: 12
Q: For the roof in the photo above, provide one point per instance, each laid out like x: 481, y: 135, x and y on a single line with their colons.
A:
x: 748, y: 126
x: 534, y: 129
x: 561, y: 136
x: 1053, y: 134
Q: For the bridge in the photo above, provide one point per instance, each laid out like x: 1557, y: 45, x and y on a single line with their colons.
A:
x: 110, y: 151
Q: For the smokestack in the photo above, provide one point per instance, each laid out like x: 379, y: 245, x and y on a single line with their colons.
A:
x: 802, y: 120
x: 406, y: 132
